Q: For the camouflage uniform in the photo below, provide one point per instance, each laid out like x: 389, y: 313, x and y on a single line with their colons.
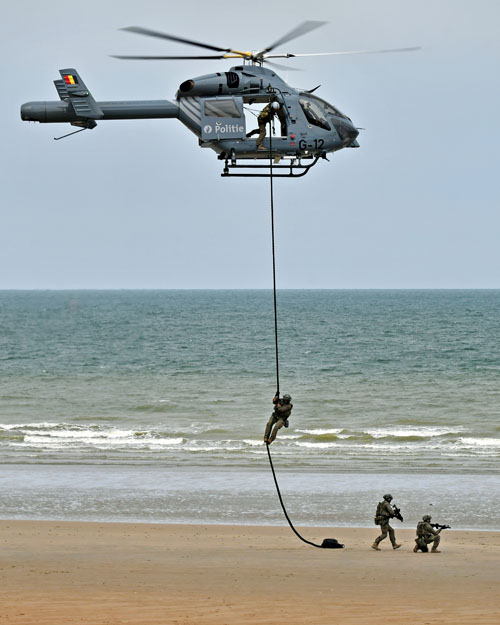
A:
x: 279, y: 418
x: 426, y: 535
x: 264, y: 118
x: 384, y: 514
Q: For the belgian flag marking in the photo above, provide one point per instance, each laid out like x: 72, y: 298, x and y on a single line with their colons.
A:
x: 69, y: 79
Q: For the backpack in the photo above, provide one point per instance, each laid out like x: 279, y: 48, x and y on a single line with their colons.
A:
x: 420, y: 529
x: 378, y: 516
x: 331, y: 543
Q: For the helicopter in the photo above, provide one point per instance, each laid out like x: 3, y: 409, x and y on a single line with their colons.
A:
x: 213, y: 107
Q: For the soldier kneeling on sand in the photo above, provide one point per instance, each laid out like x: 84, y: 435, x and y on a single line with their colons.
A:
x: 426, y: 534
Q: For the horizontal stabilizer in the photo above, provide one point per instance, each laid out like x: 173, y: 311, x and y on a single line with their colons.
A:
x: 61, y: 89
x: 72, y: 88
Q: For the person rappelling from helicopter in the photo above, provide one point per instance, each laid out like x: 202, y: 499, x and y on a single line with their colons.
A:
x: 279, y: 417
x: 265, y: 117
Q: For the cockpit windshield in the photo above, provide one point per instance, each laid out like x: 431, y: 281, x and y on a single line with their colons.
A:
x: 314, y: 113
x: 329, y: 108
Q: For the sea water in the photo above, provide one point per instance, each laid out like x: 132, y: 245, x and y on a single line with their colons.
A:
x: 151, y: 405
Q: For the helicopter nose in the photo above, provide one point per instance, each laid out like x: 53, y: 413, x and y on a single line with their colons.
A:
x: 347, y: 132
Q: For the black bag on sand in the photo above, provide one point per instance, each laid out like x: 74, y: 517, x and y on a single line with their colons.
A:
x: 331, y: 543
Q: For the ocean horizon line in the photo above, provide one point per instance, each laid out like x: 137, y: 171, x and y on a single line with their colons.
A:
x: 246, y: 289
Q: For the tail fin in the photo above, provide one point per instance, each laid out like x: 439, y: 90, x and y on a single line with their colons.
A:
x: 71, y: 88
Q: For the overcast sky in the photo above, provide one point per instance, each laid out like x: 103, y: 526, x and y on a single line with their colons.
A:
x: 137, y: 204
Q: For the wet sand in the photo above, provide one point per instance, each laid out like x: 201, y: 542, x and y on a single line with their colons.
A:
x: 55, y: 573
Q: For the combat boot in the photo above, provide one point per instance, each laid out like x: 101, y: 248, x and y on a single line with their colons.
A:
x: 396, y: 546
x: 376, y: 547
x: 415, y: 549
x: 435, y: 551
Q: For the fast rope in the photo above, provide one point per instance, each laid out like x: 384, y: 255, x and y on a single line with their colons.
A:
x: 274, y: 260
x: 276, y: 334
x: 283, y: 505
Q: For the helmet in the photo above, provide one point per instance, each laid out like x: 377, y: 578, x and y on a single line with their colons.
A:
x: 287, y: 397
x: 388, y: 497
x: 275, y: 105
x: 426, y: 517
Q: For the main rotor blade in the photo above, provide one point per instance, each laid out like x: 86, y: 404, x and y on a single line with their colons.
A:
x: 286, y: 68
x: 164, y: 58
x: 300, y: 30
x: 154, y: 33
x: 288, y: 56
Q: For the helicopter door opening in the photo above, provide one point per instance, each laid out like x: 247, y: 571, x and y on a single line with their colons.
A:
x: 222, y: 118
x: 252, y: 112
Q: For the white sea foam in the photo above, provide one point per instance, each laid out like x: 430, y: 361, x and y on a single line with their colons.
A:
x: 321, y: 431
x: 117, y: 439
x: 480, y: 442
x: 83, y: 434
x: 252, y: 442
x: 63, y: 438
x: 417, y: 431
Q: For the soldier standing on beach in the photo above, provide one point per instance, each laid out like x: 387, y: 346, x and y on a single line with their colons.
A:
x: 279, y: 417
x: 426, y: 535
x: 383, y: 516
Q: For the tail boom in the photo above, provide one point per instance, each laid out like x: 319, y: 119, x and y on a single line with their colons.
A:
x: 63, y: 111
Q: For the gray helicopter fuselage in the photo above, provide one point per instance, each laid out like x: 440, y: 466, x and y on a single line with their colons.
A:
x: 212, y: 106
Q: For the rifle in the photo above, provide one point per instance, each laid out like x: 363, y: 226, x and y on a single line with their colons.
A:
x: 440, y: 527
x: 397, y: 513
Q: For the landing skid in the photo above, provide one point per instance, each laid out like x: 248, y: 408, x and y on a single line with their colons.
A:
x: 295, y: 165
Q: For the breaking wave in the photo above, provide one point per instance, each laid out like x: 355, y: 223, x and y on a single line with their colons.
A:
x: 367, y: 447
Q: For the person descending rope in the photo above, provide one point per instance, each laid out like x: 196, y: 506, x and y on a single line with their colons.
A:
x: 265, y: 117
x: 279, y: 417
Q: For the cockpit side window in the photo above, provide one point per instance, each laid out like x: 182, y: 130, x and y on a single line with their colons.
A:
x: 314, y: 113
x: 221, y: 108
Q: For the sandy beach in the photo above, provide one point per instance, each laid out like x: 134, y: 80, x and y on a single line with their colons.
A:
x: 55, y: 573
